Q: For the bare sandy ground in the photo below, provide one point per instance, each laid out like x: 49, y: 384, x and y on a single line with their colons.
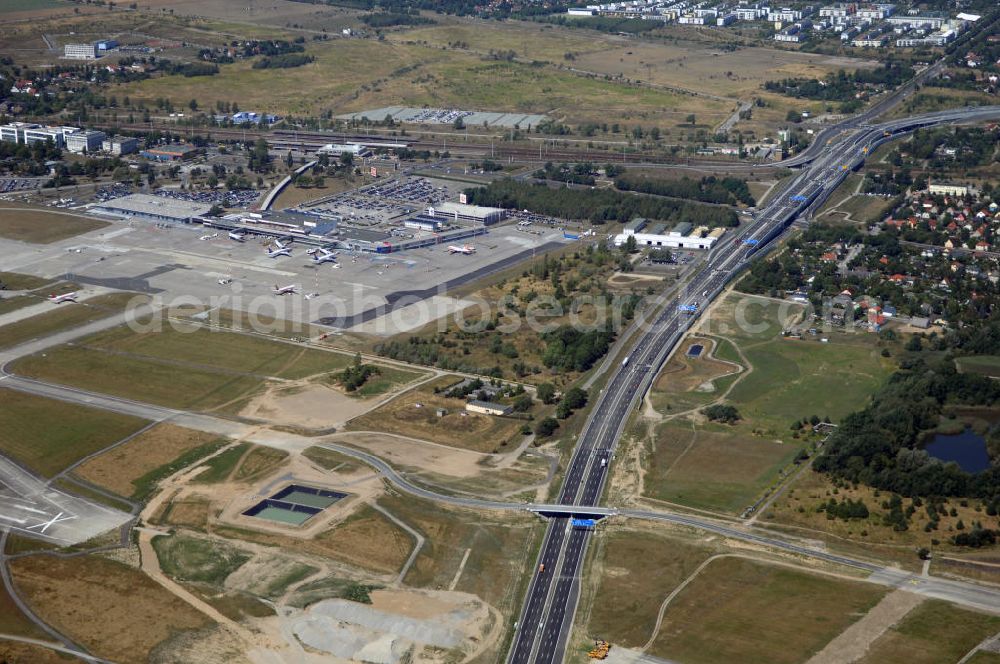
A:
x: 423, y: 626
x: 852, y: 644
x: 413, y: 453
x: 311, y: 406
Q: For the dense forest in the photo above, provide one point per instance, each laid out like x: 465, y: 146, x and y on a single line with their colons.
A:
x: 597, y: 205
x: 728, y: 190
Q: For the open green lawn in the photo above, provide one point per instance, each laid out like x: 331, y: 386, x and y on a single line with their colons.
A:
x: 42, y: 226
x: 741, y: 611
x: 121, y: 375
x: 226, y: 351
x: 387, y: 380
x: 726, y: 467
x: 10, y: 6
x: 714, y: 467
x: 197, y: 368
x: 48, y: 435
x: 792, y: 379
x: 987, y: 365
x: 64, y: 316
x: 933, y: 632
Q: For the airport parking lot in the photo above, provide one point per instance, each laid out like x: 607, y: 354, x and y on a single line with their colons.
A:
x: 8, y: 185
x: 234, y: 198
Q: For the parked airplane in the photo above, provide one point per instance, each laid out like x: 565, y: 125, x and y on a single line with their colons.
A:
x: 238, y: 237
x: 279, y: 249
x: 210, y: 236
x: 464, y: 249
x: 285, y: 290
x: 321, y: 256
x: 65, y: 297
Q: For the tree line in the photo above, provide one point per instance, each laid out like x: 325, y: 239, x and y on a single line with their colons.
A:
x: 596, y: 205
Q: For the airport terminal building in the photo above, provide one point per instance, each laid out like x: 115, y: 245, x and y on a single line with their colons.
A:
x: 158, y: 209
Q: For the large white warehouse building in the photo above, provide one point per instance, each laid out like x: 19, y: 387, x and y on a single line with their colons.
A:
x: 681, y: 236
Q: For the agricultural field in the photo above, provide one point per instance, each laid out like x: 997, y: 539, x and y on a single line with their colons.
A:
x: 133, y: 469
x: 137, y: 614
x: 42, y: 226
x: 414, y: 414
x: 768, y: 614
x: 933, y: 632
x: 48, y: 435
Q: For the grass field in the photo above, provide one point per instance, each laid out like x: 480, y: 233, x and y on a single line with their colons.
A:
x: 196, y: 369
x: 933, y: 632
x: 725, y: 467
x: 63, y: 317
x: 12, y: 621
x: 366, y: 539
x: 353, y: 75
x: 712, y: 467
x: 136, y: 613
x: 987, y: 365
x: 132, y: 470
x: 742, y: 611
x: 791, y: 378
x: 388, y: 379
x: 9, y: 6
x: 689, y: 382
x: 414, y: 414
x: 798, y: 378
x: 220, y: 350
x: 330, y: 460
x: 48, y: 435
x: 41, y: 226
x: 797, y: 507
x: 196, y: 559
x: 638, y: 571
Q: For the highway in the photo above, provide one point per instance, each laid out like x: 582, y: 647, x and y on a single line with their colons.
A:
x: 546, y: 617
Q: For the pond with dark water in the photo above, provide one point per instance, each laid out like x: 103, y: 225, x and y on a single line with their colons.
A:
x: 967, y: 449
